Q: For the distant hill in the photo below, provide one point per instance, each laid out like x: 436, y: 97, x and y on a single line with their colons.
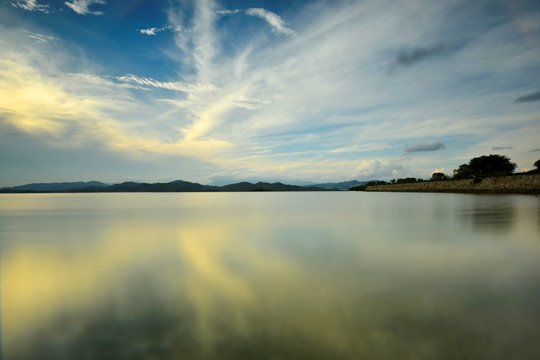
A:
x: 263, y: 186
x: 173, y: 186
x: 344, y: 185
x: 55, y: 187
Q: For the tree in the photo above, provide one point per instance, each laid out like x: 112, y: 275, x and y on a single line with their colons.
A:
x: 438, y: 176
x: 537, y: 164
x: 406, y: 180
x: 491, y: 165
x: 462, y: 172
x: 375, y: 182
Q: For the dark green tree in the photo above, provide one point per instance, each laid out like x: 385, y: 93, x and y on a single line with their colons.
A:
x: 491, y: 165
x: 438, y: 176
x: 537, y: 164
x: 406, y: 180
x: 462, y: 172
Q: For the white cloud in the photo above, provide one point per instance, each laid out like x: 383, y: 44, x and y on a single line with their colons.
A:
x: 228, y: 12
x: 31, y: 5
x: 276, y: 22
x: 441, y: 170
x: 82, y: 7
x: 151, y: 31
x: 154, y: 30
x: 379, y: 169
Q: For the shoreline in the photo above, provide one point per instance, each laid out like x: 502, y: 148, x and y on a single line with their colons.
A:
x: 511, y: 184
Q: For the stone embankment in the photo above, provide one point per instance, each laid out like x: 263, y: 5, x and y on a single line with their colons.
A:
x: 514, y: 184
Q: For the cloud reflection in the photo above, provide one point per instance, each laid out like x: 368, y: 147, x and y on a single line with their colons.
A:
x: 227, y: 285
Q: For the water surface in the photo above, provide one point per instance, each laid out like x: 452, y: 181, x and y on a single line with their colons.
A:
x: 333, y: 275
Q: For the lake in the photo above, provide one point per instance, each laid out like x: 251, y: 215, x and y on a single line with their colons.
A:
x: 314, y: 275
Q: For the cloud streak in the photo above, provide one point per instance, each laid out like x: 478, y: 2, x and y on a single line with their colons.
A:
x: 228, y: 12
x: 275, y: 21
x: 531, y: 97
x: 424, y: 146
x: 82, y: 7
x: 41, y: 38
x: 175, y: 86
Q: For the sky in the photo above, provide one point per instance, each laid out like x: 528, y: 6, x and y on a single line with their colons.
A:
x: 296, y: 91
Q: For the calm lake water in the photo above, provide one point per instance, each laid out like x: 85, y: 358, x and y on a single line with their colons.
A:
x: 332, y: 275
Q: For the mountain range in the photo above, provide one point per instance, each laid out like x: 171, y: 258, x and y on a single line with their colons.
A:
x: 173, y: 186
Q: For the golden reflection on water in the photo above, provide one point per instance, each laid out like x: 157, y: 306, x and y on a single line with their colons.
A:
x: 172, y: 281
x: 227, y: 283
x: 227, y: 277
x: 39, y: 283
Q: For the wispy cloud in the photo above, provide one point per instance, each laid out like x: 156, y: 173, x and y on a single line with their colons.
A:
x: 424, y: 146
x: 273, y: 19
x: 502, y: 147
x: 82, y: 7
x: 40, y: 37
x: 277, y: 24
x: 176, y: 86
x: 81, y: 108
x: 531, y: 97
x: 204, y: 38
x: 104, y: 82
x: 31, y: 5
x: 228, y: 12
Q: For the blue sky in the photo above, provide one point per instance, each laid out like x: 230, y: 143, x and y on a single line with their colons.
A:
x: 223, y: 91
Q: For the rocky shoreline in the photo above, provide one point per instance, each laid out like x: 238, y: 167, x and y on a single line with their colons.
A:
x: 513, y: 184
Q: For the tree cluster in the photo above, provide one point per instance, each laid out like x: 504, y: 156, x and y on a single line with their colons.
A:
x: 487, y: 165
x: 477, y: 168
x: 483, y: 166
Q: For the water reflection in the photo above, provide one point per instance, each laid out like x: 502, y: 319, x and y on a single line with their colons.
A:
x: 174, y: 282
x: 494, y: 214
